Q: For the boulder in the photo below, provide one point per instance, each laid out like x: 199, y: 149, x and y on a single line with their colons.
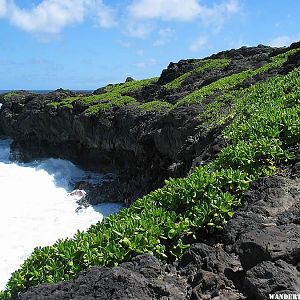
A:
x: 141, y: 279
x: 270, y: 278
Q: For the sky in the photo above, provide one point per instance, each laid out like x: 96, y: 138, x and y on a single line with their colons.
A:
x: 86, y: 44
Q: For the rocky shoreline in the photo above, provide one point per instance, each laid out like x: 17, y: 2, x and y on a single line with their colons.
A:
x: 258, y: 252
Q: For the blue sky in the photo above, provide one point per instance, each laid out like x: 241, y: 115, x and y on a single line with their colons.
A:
x: 85, y: 44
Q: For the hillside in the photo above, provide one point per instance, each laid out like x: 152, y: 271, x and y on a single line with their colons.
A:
x: 226, y: 129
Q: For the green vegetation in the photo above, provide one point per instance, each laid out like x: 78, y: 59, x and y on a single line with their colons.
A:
x: 109, y: 101
x: 200, y: 67
x: 112, y: 96
x: 96, y: 103
x: 8, y: 96
x: 227, y: 106
x: 265, y: 123
x: 130, y: 86
x: 219, y: 112
x: 229, y: 82
x: 156, y: 105
x: 115, y: 96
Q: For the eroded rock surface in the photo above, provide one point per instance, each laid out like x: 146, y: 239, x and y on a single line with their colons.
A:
x: 141, y: 279
x: 271, y: 278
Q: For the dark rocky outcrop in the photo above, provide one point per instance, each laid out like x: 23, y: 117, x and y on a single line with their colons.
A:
x: 242, y: 59
x: 210, y: 272
x: 272, y: 278
x: 257, y: 254
x: 135, y: 144
x: 129, y: 79
x: 175, y: 70
x: 141, y: 279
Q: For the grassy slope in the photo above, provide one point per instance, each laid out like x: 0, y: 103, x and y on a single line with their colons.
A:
x: 229, y: 82
x: 112, y: 96
x: 265, y: 124
x: 200, y: 67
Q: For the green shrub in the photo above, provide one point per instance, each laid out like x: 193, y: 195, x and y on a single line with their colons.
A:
x: 109, y: 101
x: 156, y: 105
x: 10, y: 95
x: 227, y: 83
x: 7, y: 96
x: 113, y: 96
x: 123, y: 88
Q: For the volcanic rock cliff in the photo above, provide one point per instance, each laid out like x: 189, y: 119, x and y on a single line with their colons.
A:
x: 148, y: 131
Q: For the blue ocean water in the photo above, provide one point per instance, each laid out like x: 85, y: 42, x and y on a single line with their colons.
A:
x: 45, y: 91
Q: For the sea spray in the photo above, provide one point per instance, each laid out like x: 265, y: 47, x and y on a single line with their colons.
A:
x: 37, y: 208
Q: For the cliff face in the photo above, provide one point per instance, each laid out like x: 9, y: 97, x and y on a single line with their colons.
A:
x: 140, y: 146
x: 143, y: 146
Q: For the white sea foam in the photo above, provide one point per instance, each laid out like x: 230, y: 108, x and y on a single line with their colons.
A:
x: 36, y: 208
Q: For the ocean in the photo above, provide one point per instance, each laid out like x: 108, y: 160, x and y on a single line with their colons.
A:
x: 45, y: 91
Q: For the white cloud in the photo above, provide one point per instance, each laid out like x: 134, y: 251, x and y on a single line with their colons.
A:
x: 3, y: 7
x: 199, y: 44
x: 281, y: 41
x: 141, y: 11
x: 216, y: 15
x: 232, y: 6
x: 165, y: 36
x: 105, y: 16
x: 182, y: 10
x: 52, y: 16
x: 139, y: 30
